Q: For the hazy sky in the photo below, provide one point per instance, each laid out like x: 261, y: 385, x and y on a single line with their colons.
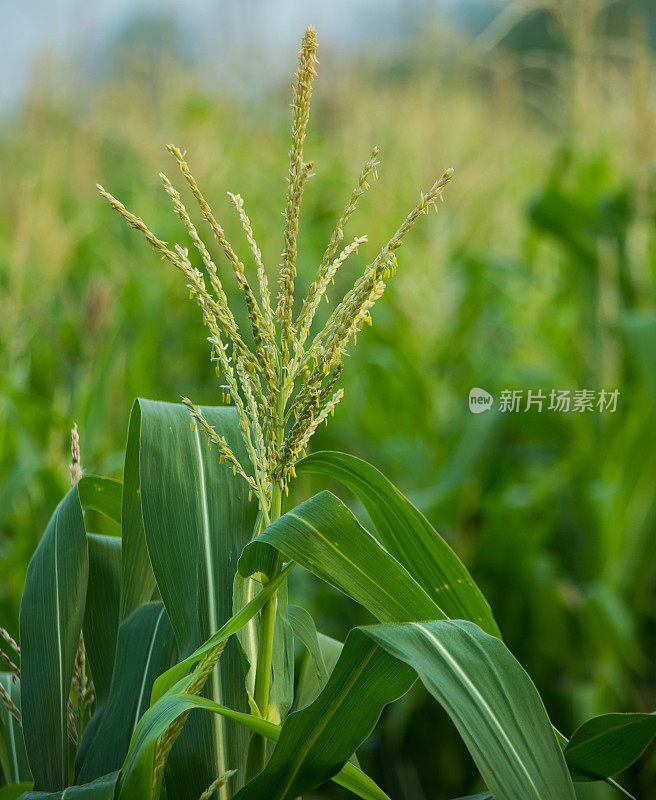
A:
x: 31, y: 28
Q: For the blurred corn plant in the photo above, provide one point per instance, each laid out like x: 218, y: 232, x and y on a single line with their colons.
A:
x: 175, y: 629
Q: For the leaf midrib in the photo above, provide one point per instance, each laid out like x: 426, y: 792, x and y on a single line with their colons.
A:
x: 471, y: 688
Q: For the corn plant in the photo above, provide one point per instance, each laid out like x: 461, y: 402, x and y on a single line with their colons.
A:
x: 159, y: 662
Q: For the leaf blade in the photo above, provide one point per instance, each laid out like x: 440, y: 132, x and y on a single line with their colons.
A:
x: 496, y: 708
x: 197, y: 517
x: 322, y: 535
x: 101, y: 494
x: 100, y: 789
x: 137, y: 578
x: 608, y: 744
x: 101, y: 612
x: 51, y: 618
x: 144, y: 650
x: 408, y: 536
x: 492, y: 702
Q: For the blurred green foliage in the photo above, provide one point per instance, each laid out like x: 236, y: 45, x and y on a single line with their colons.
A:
x: 539, y: 272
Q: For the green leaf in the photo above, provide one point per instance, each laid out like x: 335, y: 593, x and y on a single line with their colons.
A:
x: 313, y: 674
x: 197, y: 518
x: 306, y: 631
x: 137, y: 579
x: 102, y: 609
x: 608, y: 744
x: 409, y: 537
x: 310, y: 682
x: 101, y: 494
x: 51, y: 615
x: 100, y: 626
x: 350, y: 776
x: 100, y: 789
x: 13, y: 757
x: 177, y: 672
x: 492, y: 702
x: 145, y: 649
x: 12, y: 791
x: 317, y: 741
x: 136, y: 776
x: 487, y: 694
x: 281, y: 693
x: 137, y: 770
x: 322, y: 535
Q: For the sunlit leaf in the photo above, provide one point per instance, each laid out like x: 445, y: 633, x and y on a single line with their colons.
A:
x: 322, y: 535
x: 408, y: 536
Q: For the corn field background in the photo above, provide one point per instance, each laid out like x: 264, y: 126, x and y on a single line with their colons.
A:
x: 540, y: 274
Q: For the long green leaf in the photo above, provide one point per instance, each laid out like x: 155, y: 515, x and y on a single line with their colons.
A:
x: 145, y: 649
x: 487, y: 694
x: 51, y: 615
x: 281, y: 693
x: 608, y: 744
x: 408, y: 536
x: 322, y: 535
x: 306, y: 631
x: 197, y: 518
x: 317, y: 741
x: 100, y: 789
x: 492, y: 702
x: 136, y: 777
x: 137, y: 578
x: 101, y: 612
x: 310, y: 679
x: 137, y: 771
x: 13, y: 757
x: 100, y: 626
